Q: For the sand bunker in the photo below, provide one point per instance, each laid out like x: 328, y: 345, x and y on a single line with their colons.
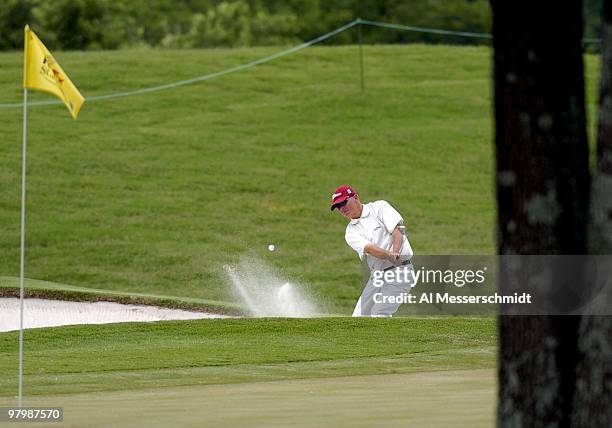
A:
x: 51, y: 313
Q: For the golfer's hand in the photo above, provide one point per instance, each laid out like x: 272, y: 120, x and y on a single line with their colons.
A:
x: 395, y: 258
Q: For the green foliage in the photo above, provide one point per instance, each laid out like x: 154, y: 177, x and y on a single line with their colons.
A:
x: 227, y: 24
x: 454, y: 15
x: 592, y: 12
x: 14, y: 15
x: 592, y: 24
x: 112, y: 24
x: 233, y: 24
x: 273, y: 29
x: 86, y: 24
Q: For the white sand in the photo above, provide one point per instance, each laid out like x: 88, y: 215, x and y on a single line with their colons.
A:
x: 51, y: 313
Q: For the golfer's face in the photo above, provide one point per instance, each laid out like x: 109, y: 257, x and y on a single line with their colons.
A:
x: 351, y: 209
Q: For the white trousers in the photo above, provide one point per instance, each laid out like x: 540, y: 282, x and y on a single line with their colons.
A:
x: 374, y: 301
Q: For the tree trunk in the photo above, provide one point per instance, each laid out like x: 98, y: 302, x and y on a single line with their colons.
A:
x: 593, y: 400
x: 542, y: 193
x: 600, y: 233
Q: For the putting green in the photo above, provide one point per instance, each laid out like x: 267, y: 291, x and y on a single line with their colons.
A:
x: 460, y: 398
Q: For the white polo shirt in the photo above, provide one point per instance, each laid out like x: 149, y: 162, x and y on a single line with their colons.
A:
x: 375, y: 226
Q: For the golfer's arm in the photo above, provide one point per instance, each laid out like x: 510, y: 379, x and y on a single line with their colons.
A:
x: 380, y: 253
x: 377, y: 252
x: 397, y: 240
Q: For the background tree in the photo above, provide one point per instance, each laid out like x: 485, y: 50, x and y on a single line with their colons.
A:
x: 14, y: 14
x: 113, y: 24
x: 593, y: 400
x: 601, y: 215
x: 542, y: 192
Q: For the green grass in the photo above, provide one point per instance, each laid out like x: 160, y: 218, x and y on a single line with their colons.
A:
x: 82, y: 359
x: 464, y: 398
x: 153, y: 193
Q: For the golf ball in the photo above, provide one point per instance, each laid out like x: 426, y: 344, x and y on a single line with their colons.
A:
x: 271, y: 247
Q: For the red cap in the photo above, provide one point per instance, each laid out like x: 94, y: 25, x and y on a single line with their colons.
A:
x: 341, y: 194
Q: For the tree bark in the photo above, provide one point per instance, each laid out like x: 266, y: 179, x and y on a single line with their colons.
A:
x: 600, y: 233
x: 542, y: 193
x: 593, y: 399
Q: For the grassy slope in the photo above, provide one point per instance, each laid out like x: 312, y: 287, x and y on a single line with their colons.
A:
x: 153, y: 193
x: 133, y: 356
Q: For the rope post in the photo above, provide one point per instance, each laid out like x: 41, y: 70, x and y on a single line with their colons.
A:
x: 359, y: 25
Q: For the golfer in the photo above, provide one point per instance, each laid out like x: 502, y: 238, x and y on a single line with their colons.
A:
x: 375, y: 232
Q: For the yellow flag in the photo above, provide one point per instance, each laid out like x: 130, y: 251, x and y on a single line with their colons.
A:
x: 42, y: 72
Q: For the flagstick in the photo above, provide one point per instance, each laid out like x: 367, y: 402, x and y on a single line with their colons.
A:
x: 23, y: 202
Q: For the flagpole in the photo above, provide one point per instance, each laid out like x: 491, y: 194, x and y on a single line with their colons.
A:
x: 21, y: 270
x: 361, y: 56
